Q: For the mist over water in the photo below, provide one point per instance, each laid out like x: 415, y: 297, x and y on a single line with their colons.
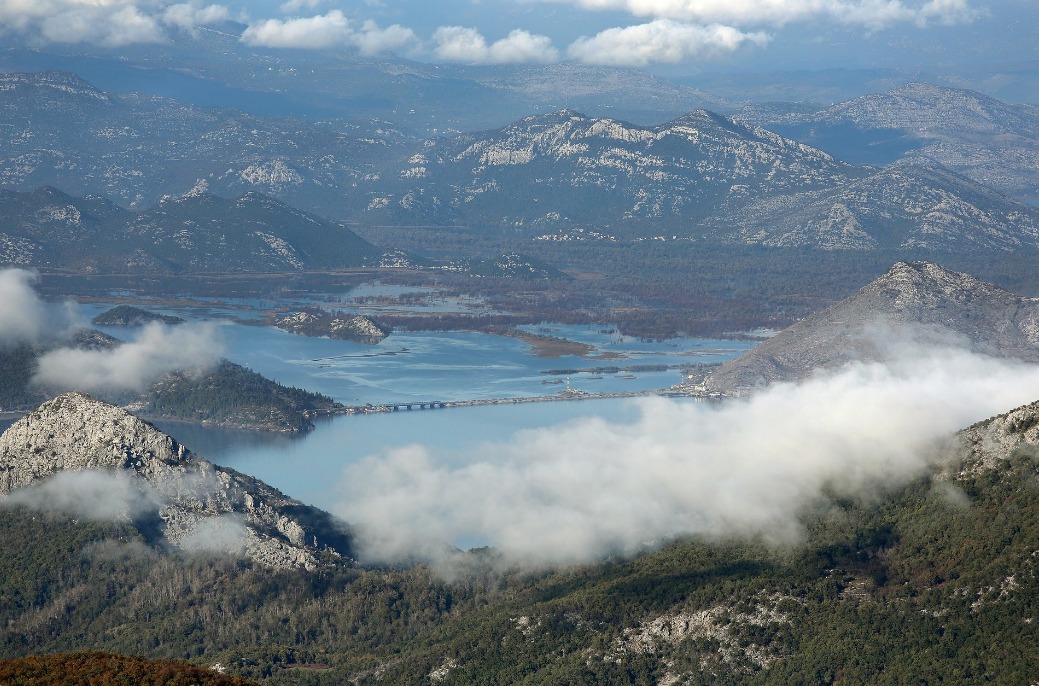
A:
x: 151, y: 352
x: 578, y: 491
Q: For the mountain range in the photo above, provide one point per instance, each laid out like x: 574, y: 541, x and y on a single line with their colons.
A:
x: 702, y: 177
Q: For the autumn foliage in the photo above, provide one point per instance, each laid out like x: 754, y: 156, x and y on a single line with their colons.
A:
x: 107, y: 669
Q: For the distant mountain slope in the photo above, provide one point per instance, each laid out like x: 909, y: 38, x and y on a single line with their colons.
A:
x: 195, y: 232
x: 61, y: 131
x: 626, y: 93
x: 568, y: 169
x: 989, y: 141
x: 905, y: 207
x: 212, y: 66
x: 913, y: 302
x: 185, y: 500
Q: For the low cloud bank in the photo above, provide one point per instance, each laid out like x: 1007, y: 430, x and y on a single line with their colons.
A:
x: 662, y: 41
x: 92, y: 494
x: 155, y: 351
x: 582, y: 490
x: 25, y: 317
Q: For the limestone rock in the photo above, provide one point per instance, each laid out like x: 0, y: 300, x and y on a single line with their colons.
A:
x: 198, y: 505
x: 1000, y: 438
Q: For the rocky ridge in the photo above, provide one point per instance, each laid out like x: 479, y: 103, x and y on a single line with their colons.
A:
x: 565, y: 168
x: 905, y: 206
x: 195, y: 504
x: 989, y: 141
x: 999, y: 439
x: 913, y: 303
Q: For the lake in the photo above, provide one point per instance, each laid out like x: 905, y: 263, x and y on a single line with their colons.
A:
x: 423, y: 366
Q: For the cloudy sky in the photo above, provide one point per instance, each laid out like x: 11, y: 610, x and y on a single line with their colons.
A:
x: 675, y: 35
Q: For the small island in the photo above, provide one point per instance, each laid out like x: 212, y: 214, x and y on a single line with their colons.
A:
x: 128, y: 315
x: 338, y: 325
x: 233, y: 397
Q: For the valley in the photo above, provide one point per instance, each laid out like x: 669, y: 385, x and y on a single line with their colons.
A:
x: 571, y: 342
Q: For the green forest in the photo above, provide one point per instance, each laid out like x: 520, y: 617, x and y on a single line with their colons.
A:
x: 937, y: 583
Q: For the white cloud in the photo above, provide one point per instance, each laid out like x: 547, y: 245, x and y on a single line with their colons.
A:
x: 658, y: 41
x: 371, y: 39
x: 325, y: 31
x: 94, y: 494
x: 297, y: 5
x: 111, y: 23
x: 464, y: 44
x: 188, y: 15
x: 156, y: 350
x: 579, y: 491
x: 27, y: 318
x: 873, y: 14
x: 225, y: 533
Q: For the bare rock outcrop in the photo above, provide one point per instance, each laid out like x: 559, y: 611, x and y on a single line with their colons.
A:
x: 986, y: 444
x: 194, y: 504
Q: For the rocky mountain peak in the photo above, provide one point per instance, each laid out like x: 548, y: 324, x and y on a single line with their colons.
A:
x: 190, y: 502
x: 76, y: 431
x: 917, y: 283
x: 920, y: 301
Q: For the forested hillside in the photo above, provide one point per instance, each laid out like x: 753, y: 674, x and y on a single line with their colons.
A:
x: 938, y: 578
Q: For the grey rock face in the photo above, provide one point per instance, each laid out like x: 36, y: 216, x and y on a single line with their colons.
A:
x: 566, y: 169
x: 198, y: 505
x: 1000, y: 438
x: 915, y: 302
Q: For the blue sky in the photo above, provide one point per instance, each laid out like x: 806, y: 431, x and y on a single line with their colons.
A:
x: 669, y: 36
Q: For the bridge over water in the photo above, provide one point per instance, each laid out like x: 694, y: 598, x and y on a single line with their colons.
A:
x: 674, y: 392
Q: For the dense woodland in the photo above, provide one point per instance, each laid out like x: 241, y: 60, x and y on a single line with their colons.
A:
x: 231, y: 395
x: 921, y: 586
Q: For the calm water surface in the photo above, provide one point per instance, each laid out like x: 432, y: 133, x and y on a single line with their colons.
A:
x: 423, y: 366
